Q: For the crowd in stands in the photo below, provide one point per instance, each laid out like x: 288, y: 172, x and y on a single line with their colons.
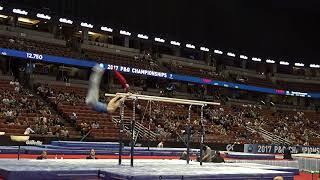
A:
x: 21, y: 108
x: 226, y: 123
x: 168, y: 122
x: 232, y: 121
x: 58, y: 97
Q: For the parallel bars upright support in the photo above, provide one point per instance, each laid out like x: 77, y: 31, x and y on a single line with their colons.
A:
x: 188, y: 134
x: 202, y: 134
x: 161, y: 99
x: 121, y: 129
x: 133, y: 121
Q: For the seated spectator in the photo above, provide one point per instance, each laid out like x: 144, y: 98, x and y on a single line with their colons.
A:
x: 92, y: 154
x: 73, y: 117
x: 84, y: 128
x: 217, y: 158
x: 159, y: 130
x: 160, y: 145
x: 43, y: 155
x: 9, y: 116
x: 28, y: 131
x: 5, y: 101
x: 64, y: 132
x: 183, y: 156
x: 44, y: 129
x: 95, y: 125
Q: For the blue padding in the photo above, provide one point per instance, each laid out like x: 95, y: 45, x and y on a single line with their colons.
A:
x: 81, y: 150
x: 85, y: 144
x: 249, y: 156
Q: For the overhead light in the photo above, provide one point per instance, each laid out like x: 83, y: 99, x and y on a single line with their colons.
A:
x: 3, y: 16
x: 143, y: 36
x: 159, y: 40
x: 64, y: 20
x: 299, y: 64
x: 231, y: 54
x: 125, y: 33
x: 28, y: 21
x: 92, y: 33
x: 256, y: 59
x: 243, y: 57
x: 204, y: 49
x: 270, y: 61
x: 176, y: 43
x: 87, y: 25
x: 284, y: 63
x: 190, y: 46
x: 314, y: 65
x: 218, y: 51
x: 1, y: 8
x: 43, y: 16
x: 103, y: 28
x: 89, y: 32
x: 19, y: 11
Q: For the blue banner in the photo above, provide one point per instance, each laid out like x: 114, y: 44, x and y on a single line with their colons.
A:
x: 178, y: 77
x: 279, y: 149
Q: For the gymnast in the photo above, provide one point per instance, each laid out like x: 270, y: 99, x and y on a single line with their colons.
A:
x: 92, y: 98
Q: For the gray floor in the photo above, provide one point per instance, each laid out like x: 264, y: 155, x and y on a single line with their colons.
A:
x: 141, y: 167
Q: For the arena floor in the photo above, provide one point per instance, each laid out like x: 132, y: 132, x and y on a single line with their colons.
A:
x: 143, y: 169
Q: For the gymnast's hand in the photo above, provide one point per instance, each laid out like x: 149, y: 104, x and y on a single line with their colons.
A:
x: 115, y: 102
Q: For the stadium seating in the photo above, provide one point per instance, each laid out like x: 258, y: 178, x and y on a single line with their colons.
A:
x: 26, y: 113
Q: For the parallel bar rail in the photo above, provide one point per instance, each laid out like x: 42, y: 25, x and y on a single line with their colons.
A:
x: 165, y: 99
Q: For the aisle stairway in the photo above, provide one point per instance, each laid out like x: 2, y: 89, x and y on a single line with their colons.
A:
x: 268, y: 136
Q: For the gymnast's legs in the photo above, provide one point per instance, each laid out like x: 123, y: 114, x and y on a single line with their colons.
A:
x: 92, y: 98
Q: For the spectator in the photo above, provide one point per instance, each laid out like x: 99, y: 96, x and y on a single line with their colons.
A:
x: 84, y: 128
x: 95, y: 125
x: 44, y: 129
x: 9, y: 116
x: 160, y: 145
x: 43, y: 155
x: 92, y: 154
x: 64, y: 132
x: 73, y: 117
x: 28, y: 131
x: 159, y: 130
x: 183, y: 155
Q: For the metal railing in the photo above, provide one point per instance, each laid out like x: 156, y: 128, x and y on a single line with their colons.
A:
x: 139, y: 130
x: 268, y: 135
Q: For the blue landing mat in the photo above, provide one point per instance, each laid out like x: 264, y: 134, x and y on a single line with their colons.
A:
x: 143, y: 169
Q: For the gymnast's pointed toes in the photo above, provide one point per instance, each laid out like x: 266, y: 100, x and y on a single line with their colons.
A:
x: 98, y: 68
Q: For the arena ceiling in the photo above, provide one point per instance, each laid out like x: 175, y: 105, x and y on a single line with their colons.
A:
x: 281, y: 30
